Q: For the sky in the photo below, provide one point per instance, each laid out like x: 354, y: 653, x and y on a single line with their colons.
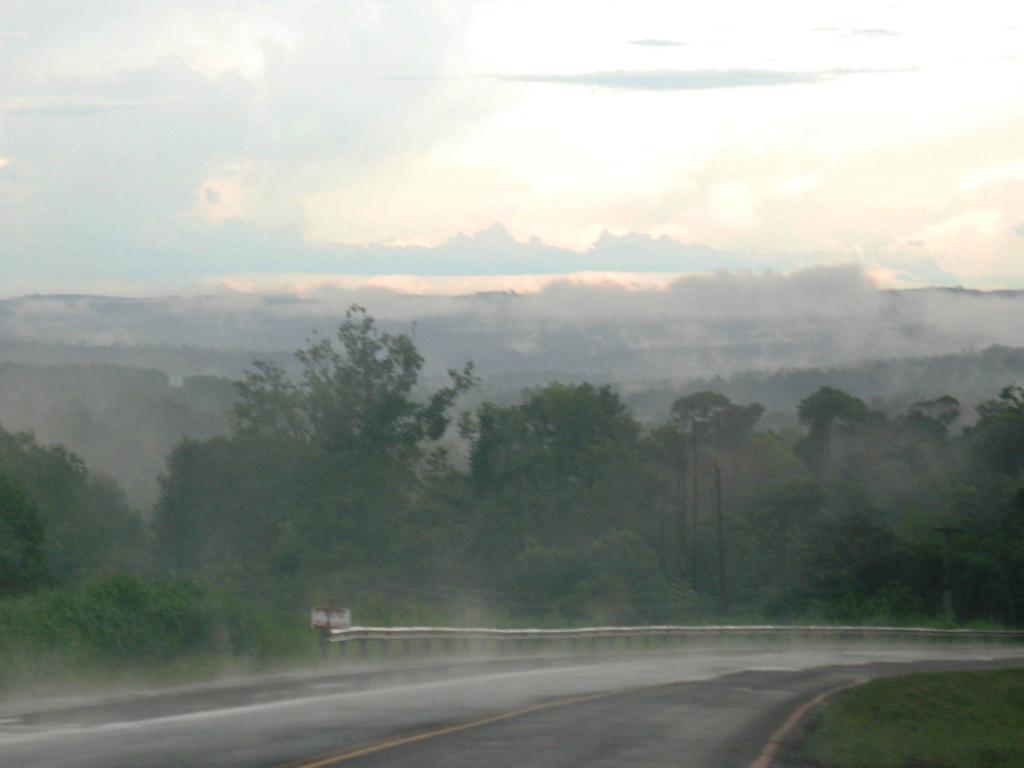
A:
x: 457, y: 145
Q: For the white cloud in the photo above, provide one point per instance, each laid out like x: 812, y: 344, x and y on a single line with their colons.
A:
x: 800, y: 184
x: 670, y: 80
x: 182, y: 138
x: 993, y: 174
x: 983, y: 222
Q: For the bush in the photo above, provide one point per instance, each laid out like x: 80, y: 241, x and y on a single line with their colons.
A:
x: 127, y: 622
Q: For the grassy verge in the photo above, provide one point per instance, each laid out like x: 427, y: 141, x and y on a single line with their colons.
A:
x: 127, y: 630
x: 929, y: 720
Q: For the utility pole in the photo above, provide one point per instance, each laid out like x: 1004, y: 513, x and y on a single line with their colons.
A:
x: 723, y: 599
x: 695, y: 512
x: 947, y: 569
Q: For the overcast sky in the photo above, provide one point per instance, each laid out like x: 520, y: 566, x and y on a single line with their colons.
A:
x: 149, y: 145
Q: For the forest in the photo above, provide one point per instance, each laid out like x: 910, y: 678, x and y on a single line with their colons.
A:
x: 353, y: 482
x: 122, y: 409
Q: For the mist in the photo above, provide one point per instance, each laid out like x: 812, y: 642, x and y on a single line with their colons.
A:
x: 696, y: 326
x: 122, y: 380
x: 368, y: 375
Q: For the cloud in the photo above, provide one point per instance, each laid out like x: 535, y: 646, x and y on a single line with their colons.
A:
x: 109, y: 188
x: 688, y: 80
x: 874, y: 32
x: 992, y: 174
x: 656, y: 42
x: 181, y: 139
x: 186, y: 98
x: 859, y: 31
x: 66, y: 106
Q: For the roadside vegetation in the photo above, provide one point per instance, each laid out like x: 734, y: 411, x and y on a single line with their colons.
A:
x: 938, y: 720
x: 134, y: 629
x: 343, y: 478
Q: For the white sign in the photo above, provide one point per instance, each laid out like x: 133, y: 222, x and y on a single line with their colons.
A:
x: 321, y: 618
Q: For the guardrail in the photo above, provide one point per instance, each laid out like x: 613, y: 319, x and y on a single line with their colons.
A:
x: 452, y: 637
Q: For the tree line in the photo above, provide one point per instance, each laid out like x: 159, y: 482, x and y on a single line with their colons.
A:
x: 352, y: 481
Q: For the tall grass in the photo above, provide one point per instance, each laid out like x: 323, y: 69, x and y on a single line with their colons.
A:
x: 129, y: 624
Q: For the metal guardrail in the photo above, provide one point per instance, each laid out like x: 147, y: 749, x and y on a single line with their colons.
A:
x: 664, y: 632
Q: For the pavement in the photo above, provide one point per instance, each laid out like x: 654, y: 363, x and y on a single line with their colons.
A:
x: 712, y: 707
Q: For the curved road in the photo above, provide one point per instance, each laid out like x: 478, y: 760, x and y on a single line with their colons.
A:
x: 692, y: 707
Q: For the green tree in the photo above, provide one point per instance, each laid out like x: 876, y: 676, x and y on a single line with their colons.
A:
x: 997, y: 439
x: 665, y: 454
x: 320, y: 475
x: 563, y: 434
x: 711, y: 422
x: 935, y: 415
x: 552, y: 475
x: 785, y: 517
x: 823, y: 413
x: 22, y: 565
x: 90, y: 530
x: 354, y: 393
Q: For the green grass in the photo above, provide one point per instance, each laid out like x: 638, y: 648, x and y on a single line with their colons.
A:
x: 928, y: 720
x: 128, y: 629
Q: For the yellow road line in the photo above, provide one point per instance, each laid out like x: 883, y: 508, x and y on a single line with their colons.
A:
x: 398, y: 741
x: 764, y: 760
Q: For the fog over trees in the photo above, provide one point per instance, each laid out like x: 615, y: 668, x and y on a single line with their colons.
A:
x: 122, y: 381
x: 346, y: 474
x: 366, y: 304
x: 697, y: 326
x: 124, y: 419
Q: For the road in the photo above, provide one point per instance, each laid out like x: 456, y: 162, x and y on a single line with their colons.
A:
x: 710, y: 707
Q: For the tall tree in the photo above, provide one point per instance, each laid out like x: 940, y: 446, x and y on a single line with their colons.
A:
x: 22, y: 564
x: 355, y: 392
x: 711, y: 421
x: 319, y: 473
x: 665, y: 448
x: 823, y: 412
x: 935, y: 415
x: 998, y: 437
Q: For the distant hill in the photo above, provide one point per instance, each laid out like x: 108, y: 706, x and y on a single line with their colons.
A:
x: 121, y: 380
x: 698, y: 327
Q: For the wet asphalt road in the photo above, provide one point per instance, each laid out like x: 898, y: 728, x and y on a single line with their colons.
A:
x: 693, y: 707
